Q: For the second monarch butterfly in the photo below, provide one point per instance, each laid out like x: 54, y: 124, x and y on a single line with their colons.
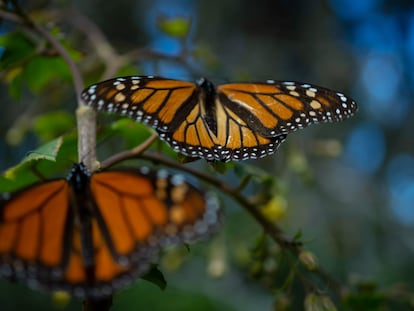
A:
x: 233, y: 121
x: 90, y: 234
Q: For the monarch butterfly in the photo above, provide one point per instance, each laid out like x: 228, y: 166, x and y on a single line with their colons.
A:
x: 233, y: 121
x: 90, y: 234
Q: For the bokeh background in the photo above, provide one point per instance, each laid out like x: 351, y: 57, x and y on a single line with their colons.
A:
x: 348, y: 187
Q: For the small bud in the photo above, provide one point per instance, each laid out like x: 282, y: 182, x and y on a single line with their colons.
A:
x: 60, y: 299
x: 282, y: 303
x: 309, y: 260
x: 275, y: 208
x: 314, y: 302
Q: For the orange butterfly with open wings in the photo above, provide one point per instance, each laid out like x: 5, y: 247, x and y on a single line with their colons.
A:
x: 90, y: 234
x: 233, y: 121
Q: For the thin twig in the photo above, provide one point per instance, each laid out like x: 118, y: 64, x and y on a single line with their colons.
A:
x: 129, y: 153
x: 269, y: 227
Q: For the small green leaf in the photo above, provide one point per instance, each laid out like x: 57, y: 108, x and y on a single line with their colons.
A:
x: 178, y: 27
x: 221, y: 167
x: 47, y: 161
x: 155, y: 277
x: 48, y: 151
x: 298, y: 235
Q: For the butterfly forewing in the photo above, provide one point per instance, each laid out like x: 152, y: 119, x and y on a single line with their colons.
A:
x: 233, y: 121
x: 150, y: 100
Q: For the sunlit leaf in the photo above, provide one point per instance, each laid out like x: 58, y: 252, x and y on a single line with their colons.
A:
x: 48, y: 151
x: 50, y: 160
x: 178, y: 27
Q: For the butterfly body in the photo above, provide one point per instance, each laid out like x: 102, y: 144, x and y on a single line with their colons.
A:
x: 90, y: 234
x: 234, y: 121
x: 81, y: 206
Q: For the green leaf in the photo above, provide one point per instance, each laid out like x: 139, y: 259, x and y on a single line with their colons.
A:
x: 17, y: 47
x: 365, y: 296
x: 178, y: 27
x: 221, y: 167
x: 48, y: 151
x: 143, y: 296
x: 44, y: 162
x: 155, y: 277
x: 15, y: 78
x: 53, y: 124
x: 298, y: 235
x: 41, y: 71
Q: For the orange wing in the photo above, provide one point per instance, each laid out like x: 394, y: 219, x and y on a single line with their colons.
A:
x: 155, y: 101
x: 234, y: 121
x: 90, y: 235
x: 277, y: 107
x: 29, y: 219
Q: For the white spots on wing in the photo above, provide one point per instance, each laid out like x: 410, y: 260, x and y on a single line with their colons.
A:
x: 310, y: 93
x: 120, y: 86
x: 291, y: 87
x: 119, y: 97
x: 315, y: 104
x: 91, y: 89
